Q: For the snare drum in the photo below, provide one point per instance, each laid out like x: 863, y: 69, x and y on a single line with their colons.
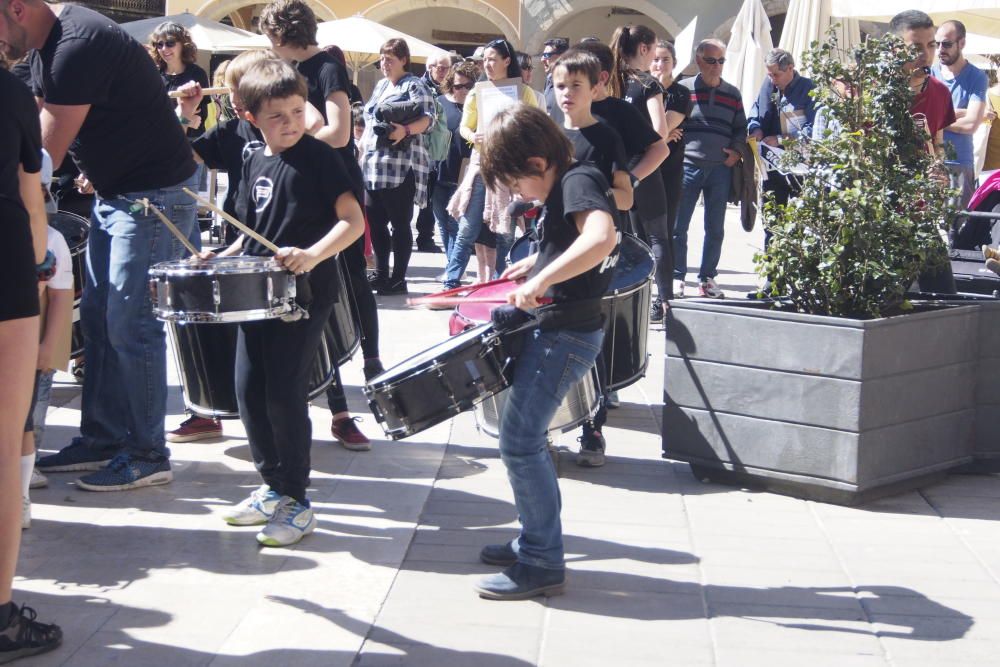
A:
x: 222, y: 290
x: 441, y: 382
x: 625, y: 306
x: 206, y: 363
x: 76, y: 230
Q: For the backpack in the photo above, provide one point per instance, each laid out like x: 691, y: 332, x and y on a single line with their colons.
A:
x: 438, y: 140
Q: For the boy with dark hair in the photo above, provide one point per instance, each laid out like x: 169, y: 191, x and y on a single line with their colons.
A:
x: 524, y: 151
x: 296, y: 193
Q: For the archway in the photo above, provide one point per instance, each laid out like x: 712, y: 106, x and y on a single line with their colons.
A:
x: 552, y: 18
x: 386, y: 11
x: 216, y: 10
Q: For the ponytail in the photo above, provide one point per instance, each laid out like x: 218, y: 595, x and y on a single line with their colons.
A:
x: 624, y: 46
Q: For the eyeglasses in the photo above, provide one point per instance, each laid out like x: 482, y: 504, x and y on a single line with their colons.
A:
x: 945, y: 45
x: 709, y: 60
x: 463, y: 86
x: 166, y: 44
x: 440, y: 67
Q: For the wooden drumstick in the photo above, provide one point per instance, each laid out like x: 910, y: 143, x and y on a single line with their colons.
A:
x: 219, y: 90
x: 233, y: 221
x: 171, y: 226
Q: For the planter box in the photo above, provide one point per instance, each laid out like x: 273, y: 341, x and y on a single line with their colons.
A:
x: 826, y: 408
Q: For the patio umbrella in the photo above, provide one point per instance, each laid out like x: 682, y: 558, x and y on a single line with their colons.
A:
x: 207, y: 35
x: 808, y: 21
x: 748, y: 44
x: 361, y: 38
x: 979, y: 16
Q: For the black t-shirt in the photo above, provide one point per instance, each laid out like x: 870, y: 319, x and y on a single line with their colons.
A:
x: 325, y: 76
x: 21, y: 138
x: 676, y: 98
x: 227, y: 146
x: 449, y: 168
x: 290, y: 198
x: 191, y: 73
x: 636, y: 133
x: 639, y: 89
x: 577, y: 301
x: 22, y: 70
x: 130, y: 139
x: 600, y: 145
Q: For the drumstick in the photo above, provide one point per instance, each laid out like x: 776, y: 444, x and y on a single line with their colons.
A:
x: 233, y: 221
x: 220, y: 90
x: 171, y: 226
x: 434, y: 300
x: 466, y: 288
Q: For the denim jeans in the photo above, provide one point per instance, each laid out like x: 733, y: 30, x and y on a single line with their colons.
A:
x: 504, y: 243
x: 43, y: 394
x: 468, y: 231
x: 714, y: 180
x: 125, y: 386
x: 550, y: 363
x: 447, y: 225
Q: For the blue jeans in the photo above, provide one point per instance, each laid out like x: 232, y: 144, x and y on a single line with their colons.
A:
x: 714, y: 180
x: 468, y: 231
x: 504, y: 243
x: 447, y: 225
x: 42, y: 397
x: 550, y: 363
x: 125, y: 386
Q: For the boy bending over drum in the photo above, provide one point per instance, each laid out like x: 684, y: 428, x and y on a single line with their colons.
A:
x: 578, y: 233
x: 297, y: 194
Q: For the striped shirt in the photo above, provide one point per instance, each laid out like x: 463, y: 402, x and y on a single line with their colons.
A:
x: 717, y: 121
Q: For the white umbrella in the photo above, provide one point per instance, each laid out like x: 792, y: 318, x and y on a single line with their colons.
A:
x: 360, y: 39
x: 808, y: 21
x: 207, y: 35
x: 748, y: 45
x: 979, y: 16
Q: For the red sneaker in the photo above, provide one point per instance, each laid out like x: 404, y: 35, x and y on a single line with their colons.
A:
x: 196, y: 428
x: 350, y: 436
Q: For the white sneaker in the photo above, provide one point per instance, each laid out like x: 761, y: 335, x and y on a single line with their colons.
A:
x: 25, y: 512
x: 678, y: 289
x: 254, y: 510
x: 38, y: 480
x: 710, y: 289
x: 290, y: 523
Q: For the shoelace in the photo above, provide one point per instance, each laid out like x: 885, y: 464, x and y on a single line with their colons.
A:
x: 119, y: 462
x: 285, y: 510
x: 30, y: 631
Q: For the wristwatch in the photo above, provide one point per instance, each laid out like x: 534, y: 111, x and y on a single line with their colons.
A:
x: 634, y: 180
x: 47, y: 268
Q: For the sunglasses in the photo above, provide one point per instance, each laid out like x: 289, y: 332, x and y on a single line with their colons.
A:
x: 167, y: 44
x: 548, y: 54
x: 464, y: 86
x: 714, y: 61
x: 945, y: 44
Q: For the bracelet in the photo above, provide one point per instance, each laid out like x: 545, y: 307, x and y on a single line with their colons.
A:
x: 407, y: 128
x: 47, y: 268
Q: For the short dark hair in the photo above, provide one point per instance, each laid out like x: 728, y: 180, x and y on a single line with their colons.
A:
x: 959, y: 27
x: 399, y: 48
x: 669, y: 46
x: 601, y: 50
x: 268, y: 80
x: 289, y: 23
x: 466, y: 68
x: 911, y: 19
x: 580, y: 61
x: 558, y: 44
x: 515, y: 135
x: 524, y: 61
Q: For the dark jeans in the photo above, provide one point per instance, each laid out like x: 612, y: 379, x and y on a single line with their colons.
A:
x: 425, y: 217
x: 783, y: 187
x: 273, y: 364
x: 392, y: 206
x: 652, y: 223
x: 713, y: 180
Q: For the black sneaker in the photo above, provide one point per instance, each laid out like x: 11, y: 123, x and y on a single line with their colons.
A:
x: 25, y: 636
x: 656, y: 312
x: 392, y: 288
x: 375, y: 281
x: 427, y: 245
x: 592, y: 444
x: 373, y: 367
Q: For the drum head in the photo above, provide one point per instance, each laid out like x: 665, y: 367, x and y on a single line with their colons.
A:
x: 216, y: 265
x: 635, y: 265
x: 481, y: 312
x: 75, y: 229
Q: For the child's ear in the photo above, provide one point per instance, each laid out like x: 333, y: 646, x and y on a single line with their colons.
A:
x: 249, y: 116
x: 603, y: 78
x: 538, y: 165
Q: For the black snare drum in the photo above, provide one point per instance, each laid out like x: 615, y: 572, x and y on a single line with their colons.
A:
x: 222, y: 290
x: 206, y: 363
x: 76, y: 230
x: 440, y: 382
x: 625, y: 306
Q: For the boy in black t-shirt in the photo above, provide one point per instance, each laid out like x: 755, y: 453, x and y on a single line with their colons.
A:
x: 578, y: 235
x: 297, y: 194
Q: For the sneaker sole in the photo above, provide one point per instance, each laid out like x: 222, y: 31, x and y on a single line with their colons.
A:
x: 88, y: 466
x: 547, y: 591
x: 11, y: 656
x: 194, y: 437
x: 354, y: 447
x: 271, y: 542
x: 38, y: 485
x: 156, y: 479
x: 590, y: 461
x: 236, y: 522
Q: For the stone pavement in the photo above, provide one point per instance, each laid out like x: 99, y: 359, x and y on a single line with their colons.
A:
x: 663, y: 570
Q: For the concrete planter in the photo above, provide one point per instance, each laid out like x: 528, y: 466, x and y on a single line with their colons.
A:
x: 826, y: 408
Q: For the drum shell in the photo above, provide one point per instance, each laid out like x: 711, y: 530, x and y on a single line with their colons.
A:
x: 76, y: 230
x: 206, y: 364
x: 451, y: 378
x: 346, y: 337
x: 579, y: 405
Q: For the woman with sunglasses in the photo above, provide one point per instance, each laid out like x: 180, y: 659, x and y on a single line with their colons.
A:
x: 457, y: 84
x: 174, y: 53
x: 473, y: 204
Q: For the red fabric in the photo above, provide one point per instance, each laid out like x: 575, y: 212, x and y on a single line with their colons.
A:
x: 932, y: 108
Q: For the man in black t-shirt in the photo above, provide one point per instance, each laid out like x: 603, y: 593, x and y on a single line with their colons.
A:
x: 104, y: 102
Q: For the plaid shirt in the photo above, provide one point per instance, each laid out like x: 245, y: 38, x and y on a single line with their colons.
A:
x: 386, y: 168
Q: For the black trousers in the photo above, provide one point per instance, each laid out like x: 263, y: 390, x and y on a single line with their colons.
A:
x: 392, y: 206
x: 673, y: 186
x: 784, y: 188
x: 273, y: 363
x: 650, y: 222
x: 425, y: 217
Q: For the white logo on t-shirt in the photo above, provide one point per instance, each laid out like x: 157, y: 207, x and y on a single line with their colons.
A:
x: 251, y: 147
x: 262, y: 189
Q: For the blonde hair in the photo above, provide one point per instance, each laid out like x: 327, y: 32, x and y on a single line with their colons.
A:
x: 239, y: 65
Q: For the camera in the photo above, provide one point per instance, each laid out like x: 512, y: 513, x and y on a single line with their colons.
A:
x: 398, y: 109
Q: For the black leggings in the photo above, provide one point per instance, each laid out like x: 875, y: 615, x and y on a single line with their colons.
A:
x: 650, y: 222
x: 392, y: 206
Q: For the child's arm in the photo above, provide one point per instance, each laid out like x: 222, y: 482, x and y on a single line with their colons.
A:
x: 621, y: 187
x: 597, y: 239
x: 655, y: 154
x: 58, y: 315
x: 337, y: 131
x: 350, y: 226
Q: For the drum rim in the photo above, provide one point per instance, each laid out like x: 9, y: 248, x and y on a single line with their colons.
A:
x: 592, y: 410
x: 76, y: 217
x: 627, y: 288
x: 226, y: 317
x: 253, y: 265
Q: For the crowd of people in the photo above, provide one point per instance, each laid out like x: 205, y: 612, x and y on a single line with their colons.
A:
x: 613, y: 143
